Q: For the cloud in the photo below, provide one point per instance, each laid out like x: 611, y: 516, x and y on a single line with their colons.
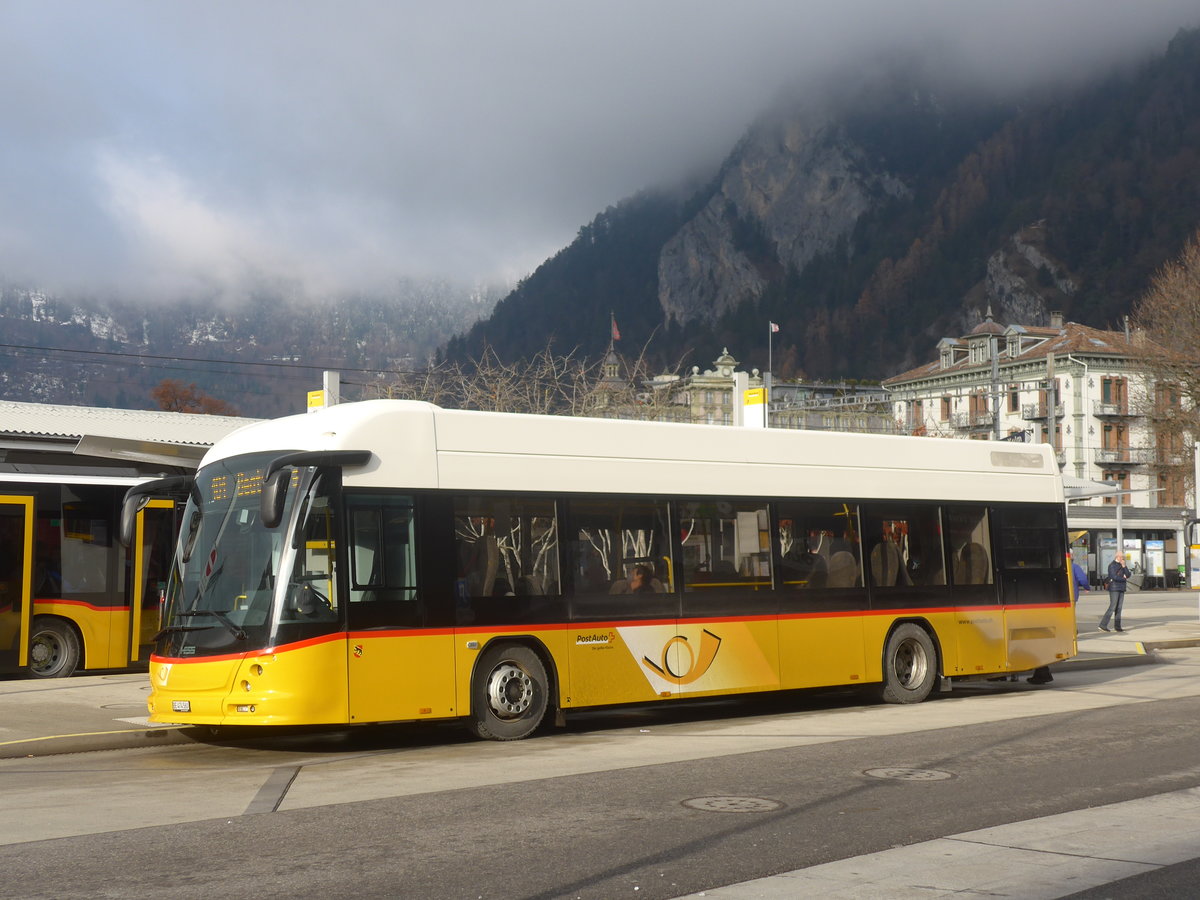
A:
x: 217, y: 146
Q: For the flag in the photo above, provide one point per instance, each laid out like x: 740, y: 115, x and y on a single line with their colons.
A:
x: 616, y: 334
x: 774, y: 328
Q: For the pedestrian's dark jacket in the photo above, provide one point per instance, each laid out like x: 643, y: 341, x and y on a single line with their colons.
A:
x: 1117, y: 576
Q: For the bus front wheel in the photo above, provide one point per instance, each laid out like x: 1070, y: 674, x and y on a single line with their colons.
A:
x: 53, y: 649
x: 509, y: 693
x: 909, y: 665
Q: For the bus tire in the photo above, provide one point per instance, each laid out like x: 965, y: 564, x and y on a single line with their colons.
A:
x: 909, y: 665
x: 53, y: 649
x: 509, y: 693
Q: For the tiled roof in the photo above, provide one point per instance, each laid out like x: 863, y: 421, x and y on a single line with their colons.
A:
x: 73, y: 422
x: 1072, y: 338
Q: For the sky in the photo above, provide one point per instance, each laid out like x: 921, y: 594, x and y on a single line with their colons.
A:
x: 197, y: 148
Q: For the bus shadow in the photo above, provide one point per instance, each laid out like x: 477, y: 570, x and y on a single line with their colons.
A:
x: 405, y: 736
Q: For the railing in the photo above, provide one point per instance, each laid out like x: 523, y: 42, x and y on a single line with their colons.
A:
x: 1100, y: 408
x: 972, y: 420
x: 1125, y: 456
x: 1038, y: 411
x: 1156, y: 456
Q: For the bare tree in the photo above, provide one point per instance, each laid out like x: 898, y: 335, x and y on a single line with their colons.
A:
x: 548, y: 383
x: 1167, y: 318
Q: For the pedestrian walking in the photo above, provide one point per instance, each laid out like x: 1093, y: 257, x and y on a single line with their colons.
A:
x: 1079, y: 580
x: 1116, y: 582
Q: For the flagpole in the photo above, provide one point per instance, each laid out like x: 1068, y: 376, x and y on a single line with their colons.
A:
x: 769, y: 377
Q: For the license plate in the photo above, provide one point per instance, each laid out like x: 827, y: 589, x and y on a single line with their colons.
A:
x: 181, y: 706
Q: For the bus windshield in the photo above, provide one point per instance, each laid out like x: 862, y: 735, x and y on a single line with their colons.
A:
x: 237, y: 586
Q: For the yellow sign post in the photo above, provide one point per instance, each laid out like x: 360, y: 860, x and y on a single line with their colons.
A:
x: 755, y: 407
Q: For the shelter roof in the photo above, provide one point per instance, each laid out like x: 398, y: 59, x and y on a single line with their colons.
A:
x: 34, y: 420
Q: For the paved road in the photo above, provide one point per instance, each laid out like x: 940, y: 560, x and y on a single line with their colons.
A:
x: 607, y: 808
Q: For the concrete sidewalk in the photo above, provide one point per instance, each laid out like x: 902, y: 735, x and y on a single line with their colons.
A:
x: 105, y: 712
x: 1152, y: 620
x: 40, y: 717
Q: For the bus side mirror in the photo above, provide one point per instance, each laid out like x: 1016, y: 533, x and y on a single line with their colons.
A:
x: 139, y: 495
x: 273, y: 497
x: 130, y: 507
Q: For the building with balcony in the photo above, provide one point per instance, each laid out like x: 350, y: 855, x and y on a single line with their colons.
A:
x: 1082, y: 390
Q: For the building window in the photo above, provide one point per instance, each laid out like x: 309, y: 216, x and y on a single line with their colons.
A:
x: 1014, y: 398
x: 1115, y: 437
x: 946, y: 406
x: 1113, y: 393
x: 1171, y: 491
x: 1121, y: 479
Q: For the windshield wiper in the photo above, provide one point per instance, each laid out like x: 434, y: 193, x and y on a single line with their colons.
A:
x: 219, y: 616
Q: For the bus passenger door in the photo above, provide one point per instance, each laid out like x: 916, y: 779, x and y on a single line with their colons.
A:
x: 16, y: 578
x: 152, y: 548
x: 397, y: 670
x: 979, y: 619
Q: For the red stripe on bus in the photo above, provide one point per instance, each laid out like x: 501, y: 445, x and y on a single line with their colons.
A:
x: 42, y: 601
x: 627, y: 623
x: 222, y: 657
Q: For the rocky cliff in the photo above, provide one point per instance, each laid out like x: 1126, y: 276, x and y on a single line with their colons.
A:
x: 791, y: 190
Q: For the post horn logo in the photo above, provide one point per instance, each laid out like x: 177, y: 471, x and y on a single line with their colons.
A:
x: 697, y: 663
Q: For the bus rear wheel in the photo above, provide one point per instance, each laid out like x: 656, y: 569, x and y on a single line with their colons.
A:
x: 509, y: 693
x: 909, y: 665
x: 53, y: 649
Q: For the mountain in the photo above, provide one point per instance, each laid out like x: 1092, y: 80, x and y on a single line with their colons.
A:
x: 261, y: 357
x: 889, y: 211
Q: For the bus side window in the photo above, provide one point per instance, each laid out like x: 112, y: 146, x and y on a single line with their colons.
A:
x: 506, y: 546
x: 621, y: 558
x: 970, y: 540
x: 1032, y: 553
x: 818, y: 545
x: 1031, y: 539
x: 620, y: 542
x: 726, y: 545
x: 905, y: 546
x: 383, y: 588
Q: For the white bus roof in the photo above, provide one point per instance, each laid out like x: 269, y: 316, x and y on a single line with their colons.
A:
x: 420, y: 446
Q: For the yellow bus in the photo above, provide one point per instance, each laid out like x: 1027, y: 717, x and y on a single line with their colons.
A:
x: 70, y: 596
x: 392, y: 561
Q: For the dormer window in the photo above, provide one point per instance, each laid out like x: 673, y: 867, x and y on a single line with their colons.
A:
x: 948, y: 352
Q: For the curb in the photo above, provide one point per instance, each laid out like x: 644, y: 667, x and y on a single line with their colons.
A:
x: 56, y: 744
x: 1150, y: 646
x: 1112, y: 661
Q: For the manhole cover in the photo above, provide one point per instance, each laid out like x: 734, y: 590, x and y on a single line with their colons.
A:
x: 903, y: 773
x: 733, y: 804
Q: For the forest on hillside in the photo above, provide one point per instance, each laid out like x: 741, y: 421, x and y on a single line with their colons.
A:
x: 1110, y: 173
